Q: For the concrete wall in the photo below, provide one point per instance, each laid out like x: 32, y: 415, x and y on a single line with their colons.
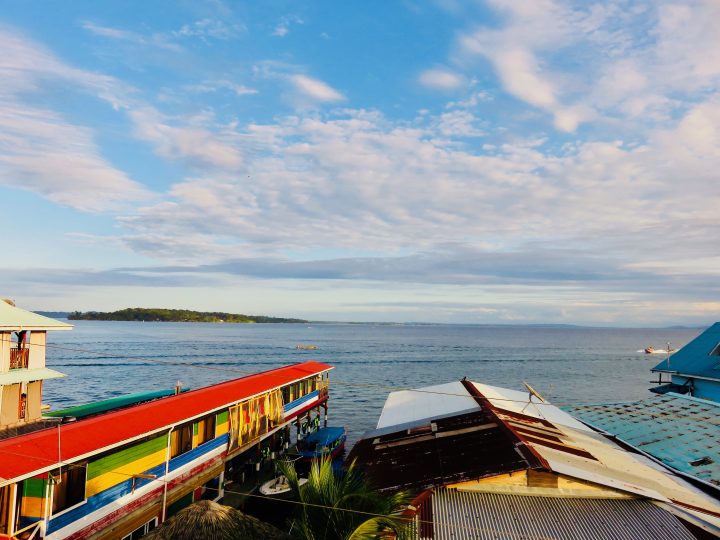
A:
x: 10, y: 404
x: 34, y: 400
x: 37, y: 342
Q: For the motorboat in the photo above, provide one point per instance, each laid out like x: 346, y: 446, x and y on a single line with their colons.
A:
x: 279, y: 487
x: 326, y: 441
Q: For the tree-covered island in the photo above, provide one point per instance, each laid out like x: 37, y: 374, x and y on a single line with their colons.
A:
x: 175, y: 315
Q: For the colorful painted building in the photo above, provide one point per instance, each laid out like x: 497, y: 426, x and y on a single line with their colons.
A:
x: 119, y: 472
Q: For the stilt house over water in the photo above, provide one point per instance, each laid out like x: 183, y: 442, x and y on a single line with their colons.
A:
x: 117, y: 469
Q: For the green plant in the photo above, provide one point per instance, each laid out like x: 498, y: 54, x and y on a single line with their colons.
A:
x: 344, y: 506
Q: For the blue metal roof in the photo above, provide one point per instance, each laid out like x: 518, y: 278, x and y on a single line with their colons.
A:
x: 695, y: 358
x: 681, y: 431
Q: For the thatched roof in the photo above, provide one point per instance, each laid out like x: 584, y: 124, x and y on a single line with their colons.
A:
x: 207, y: 520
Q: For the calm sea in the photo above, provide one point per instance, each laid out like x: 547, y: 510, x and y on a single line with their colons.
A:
x: 566, y: 365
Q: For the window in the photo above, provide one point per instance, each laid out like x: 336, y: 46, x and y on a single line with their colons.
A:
x: 286, y: 394
x: 142, y: 530
x: 206, y: 429
x: 181, y: 440
x: 716, y: 350
x: 68, y: 486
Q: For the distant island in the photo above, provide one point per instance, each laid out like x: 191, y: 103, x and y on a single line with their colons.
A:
x: 174, y: 315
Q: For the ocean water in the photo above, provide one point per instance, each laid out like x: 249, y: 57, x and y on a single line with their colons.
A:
x: 567, y: 365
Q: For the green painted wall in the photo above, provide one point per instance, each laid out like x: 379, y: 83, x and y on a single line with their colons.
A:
x: 125, y: 456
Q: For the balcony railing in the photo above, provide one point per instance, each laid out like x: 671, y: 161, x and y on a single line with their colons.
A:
x: 19, y: 358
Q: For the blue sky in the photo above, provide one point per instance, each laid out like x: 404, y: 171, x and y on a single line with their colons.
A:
x: 439, y: 161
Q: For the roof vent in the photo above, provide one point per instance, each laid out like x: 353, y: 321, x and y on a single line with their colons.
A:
x: 716, y: 350
x: 8, y: 301
x: 707, y: 460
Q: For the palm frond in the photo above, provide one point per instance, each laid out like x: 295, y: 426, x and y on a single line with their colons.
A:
x: 343, y: 506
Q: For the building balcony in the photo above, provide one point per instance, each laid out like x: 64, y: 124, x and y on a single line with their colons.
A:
x: 19, y: 358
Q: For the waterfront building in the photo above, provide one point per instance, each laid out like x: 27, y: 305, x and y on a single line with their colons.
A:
x: 678, y: 425
x: 119, y: 468
x: 488, y: 462
x: 694, y: 370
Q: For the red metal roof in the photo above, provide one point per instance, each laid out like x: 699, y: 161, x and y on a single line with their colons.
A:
x: 26, y: 454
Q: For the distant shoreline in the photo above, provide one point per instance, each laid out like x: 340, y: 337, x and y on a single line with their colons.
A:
x: 263, y: 319
x: 175, y: 315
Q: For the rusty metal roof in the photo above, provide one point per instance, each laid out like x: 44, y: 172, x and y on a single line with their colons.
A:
x: 510, y: 431
x: 681, y: 431
x: 443, y: 450
x: 458, y: 515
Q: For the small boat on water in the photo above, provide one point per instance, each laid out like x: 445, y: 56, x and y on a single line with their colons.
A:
x: 652, y: 350
x: 306, y: 347
x: 327, y: 441
x: 279, y: 487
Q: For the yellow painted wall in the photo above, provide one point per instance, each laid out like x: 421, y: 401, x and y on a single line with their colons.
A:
x: 123, y: 473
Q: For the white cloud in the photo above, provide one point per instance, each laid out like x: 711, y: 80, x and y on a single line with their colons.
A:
x: 44, y: 152
x: 283, y: 27
x: 359, y: 179
x: 315, y: 89
x: 582, y: 63
x: 210, y: 28
x: 191, y: 142
x: 459, y: 123
x: 160, y: 41
x: 211, y: 86
x: 440, y: 79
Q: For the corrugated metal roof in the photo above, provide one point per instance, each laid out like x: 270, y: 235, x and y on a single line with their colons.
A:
x: 15, y: 376
x: 695, y: 358
x: 681, y: 431
x: 523, y: 403
x: 461, y: 515
x: 14, y: 318
x: 528, y: 433
x: 588, y: 455
x: 446, y: 450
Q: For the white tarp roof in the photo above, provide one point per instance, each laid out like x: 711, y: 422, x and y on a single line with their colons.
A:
x: 520, y: 402
x: 406, y: 406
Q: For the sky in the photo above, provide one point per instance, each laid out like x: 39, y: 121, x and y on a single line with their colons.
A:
x: 441, y: 161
